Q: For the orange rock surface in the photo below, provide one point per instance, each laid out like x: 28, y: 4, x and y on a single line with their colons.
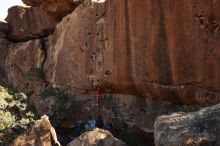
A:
x: 165, y: 50
x: 26, y: 23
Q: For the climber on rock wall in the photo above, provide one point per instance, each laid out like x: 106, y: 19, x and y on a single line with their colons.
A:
x: 98, y: 92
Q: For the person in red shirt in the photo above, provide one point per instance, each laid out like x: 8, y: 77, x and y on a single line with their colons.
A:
x: 98, y: 92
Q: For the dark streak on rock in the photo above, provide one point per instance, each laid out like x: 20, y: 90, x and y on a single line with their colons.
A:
x: 128, y: 56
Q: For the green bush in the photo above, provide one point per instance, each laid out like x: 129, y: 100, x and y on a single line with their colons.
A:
x: 15, y: 114
x: 7, y: 120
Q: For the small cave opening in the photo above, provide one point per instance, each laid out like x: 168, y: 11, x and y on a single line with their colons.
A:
x: 134, y: 136
x: 65, y: 135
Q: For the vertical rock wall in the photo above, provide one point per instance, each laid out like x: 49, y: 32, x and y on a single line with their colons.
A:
x: 164, y: 50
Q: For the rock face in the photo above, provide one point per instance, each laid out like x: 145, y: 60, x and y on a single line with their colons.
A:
x: 162, y: 50
x: 3, y: 55
x: 132, y: 110
x: 3, y: 29
x: 56, y: 9
x: 165, y: 50
x: 38, y: 135
x: 200, y: 128
x: 2, y: 35
x: 97, y: 137
x: 23, y: 64
x: 27, y: 23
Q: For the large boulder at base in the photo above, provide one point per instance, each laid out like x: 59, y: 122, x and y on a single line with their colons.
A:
x: 24, y: 65
x: 27, y: 23
x: 199, y: 128
x: 40, y: 134
x: 97, y: 137
x: 56, y: 9
x: 165, y: 50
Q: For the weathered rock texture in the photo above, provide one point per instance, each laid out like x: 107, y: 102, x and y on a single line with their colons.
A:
x: 56, y: 9
x: 3, y: 55
x: 2, y: 35
x: 4, y: 27
x: 118, y: 109
x: 132, y: 110
x: 27, y: 23
x: 200, y: 128
x: 97, y: 137
x: 23, y: 62
x: 38, y: 135
x: 137, y: 113
x: 165, y: 50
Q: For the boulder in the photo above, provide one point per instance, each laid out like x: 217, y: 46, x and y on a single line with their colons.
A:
x: 189, y: 129
x: 28, y: 23
x: 40, y: 134
x: 56, y: 9
x: 166, y: 50
x: 97, y: 137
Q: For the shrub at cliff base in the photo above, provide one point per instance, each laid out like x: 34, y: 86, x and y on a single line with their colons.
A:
x: 15, y: 114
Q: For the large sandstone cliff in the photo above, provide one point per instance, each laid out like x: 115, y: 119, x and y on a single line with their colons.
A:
x: 165, y: 50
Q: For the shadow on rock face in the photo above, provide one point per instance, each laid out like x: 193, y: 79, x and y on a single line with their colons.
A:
x: 133, y: 136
